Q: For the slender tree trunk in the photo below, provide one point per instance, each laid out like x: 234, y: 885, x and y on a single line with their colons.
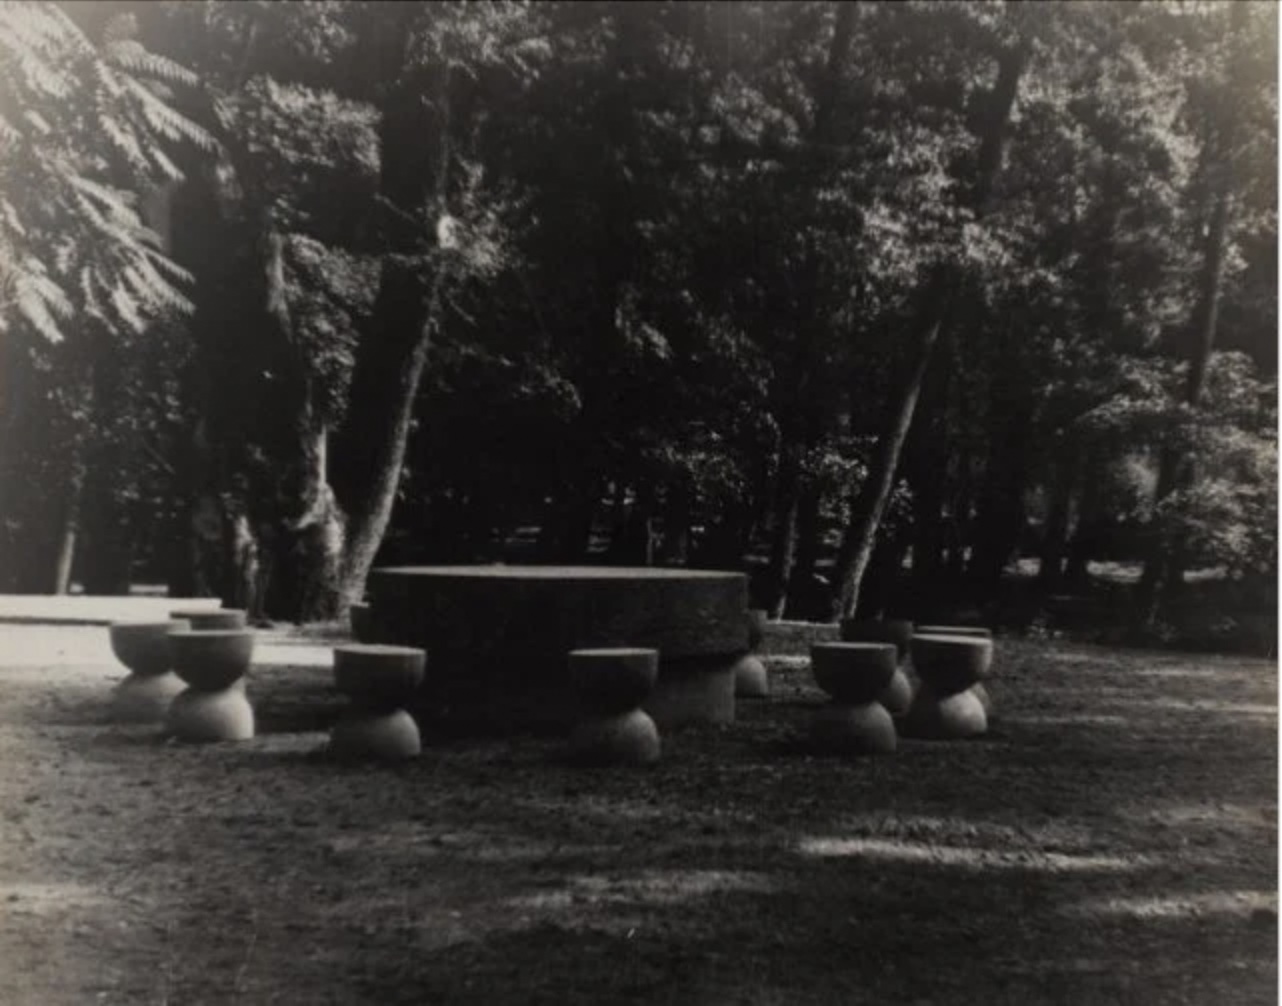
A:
x: 392, y: 354
x: 1000, y: 521
x: 783, y: 542
x: 1050, y: 571
x: 1175, y: 470
x: 869, y: 505
x: 64, y: 560
x: 801, y: 599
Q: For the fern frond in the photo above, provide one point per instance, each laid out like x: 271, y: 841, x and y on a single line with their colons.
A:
x: 35, y: 309
x: 127, y: 308
x: 131, y: 56
x: 165, y: 121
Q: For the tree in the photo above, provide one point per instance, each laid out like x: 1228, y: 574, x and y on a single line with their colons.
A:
x: 87, y: 129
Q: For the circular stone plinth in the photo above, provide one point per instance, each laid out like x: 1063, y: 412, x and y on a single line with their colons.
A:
x: 985, y: 700
x: 954, y: 630
x: 375, y: 675
x: 692, y: 692
x: 613, y: 680
x: 212, y: 618
x: 897, y: 696
x: 143, y: 647
x: 853, y: 673
x: 499, y: 635
x: 144, y: 698
x: 853, y: 729
x: 629, y: 739
x: 948, y: 717
x: 952, y: 663
x: 205, y: 717
x: 211, y: 659
x: 868, y: 630
x: 391, y: 736
x: 751, y: 679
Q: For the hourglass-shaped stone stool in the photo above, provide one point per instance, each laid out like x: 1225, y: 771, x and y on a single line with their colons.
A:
x: 951, y: 667
x: 143, y: 647
x: 380, y: 681
x: 980, y: 690
x: 610, y: 685
x: 201, y: 619
x: 751, y: 679
x: 853, y: 675
x: 213, y: 663
x: 897, y: 696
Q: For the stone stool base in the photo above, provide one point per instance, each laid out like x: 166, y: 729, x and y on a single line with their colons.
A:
x: 686, y: 695
x: 953, y: 717
x: 843, y: 729
x: 628, y: 739
x: 985, y: 700
x: 751, y: 680
x: 211, y: 716
x: 897, y: 696
x: 389, y: 736
x: 143, y: 698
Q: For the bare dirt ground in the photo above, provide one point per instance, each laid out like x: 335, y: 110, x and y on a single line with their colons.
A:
x: 1113, y: 840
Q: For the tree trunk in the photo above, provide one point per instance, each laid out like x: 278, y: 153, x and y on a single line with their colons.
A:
x: 869, y: 505
x: 802, y: 602
x: 1175, y: 470
x: 64, y: 560
x: 1050, y: 571
x: 783, y: 542
x: 999, y: 524
x: 392, y: 353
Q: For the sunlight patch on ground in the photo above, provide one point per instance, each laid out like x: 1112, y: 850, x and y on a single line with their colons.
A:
x: 967, y: 857
x: 650, y: 887
x: 1067, y: 720
x: 43, y: 899
x: 1240, y: 903
x: 1218, y: 814
x: 1059, y: 836
x: 477, y: 846
x: 1218, y: 673
x: 1206, y: 706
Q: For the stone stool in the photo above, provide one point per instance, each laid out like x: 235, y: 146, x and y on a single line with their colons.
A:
x: 980, y: 691
x: 751, y: 679
x: 380, y: 681
x: 897, y: 696
x: 213, y: 663
x: 947, y: 706
x: 854, y: 675
x: 143, y: 647
x: 610, y: 685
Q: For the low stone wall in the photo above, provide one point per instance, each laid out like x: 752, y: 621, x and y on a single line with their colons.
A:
x: 795, y: 638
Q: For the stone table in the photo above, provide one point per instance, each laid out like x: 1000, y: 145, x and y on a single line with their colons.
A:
x: 498, y: 637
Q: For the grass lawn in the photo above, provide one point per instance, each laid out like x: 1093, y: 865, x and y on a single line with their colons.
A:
x: 1113, y: 840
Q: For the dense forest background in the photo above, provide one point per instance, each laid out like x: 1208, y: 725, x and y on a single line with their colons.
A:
x: 898, y: 306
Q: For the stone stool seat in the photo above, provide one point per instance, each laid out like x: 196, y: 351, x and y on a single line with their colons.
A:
x: 380, y: 681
